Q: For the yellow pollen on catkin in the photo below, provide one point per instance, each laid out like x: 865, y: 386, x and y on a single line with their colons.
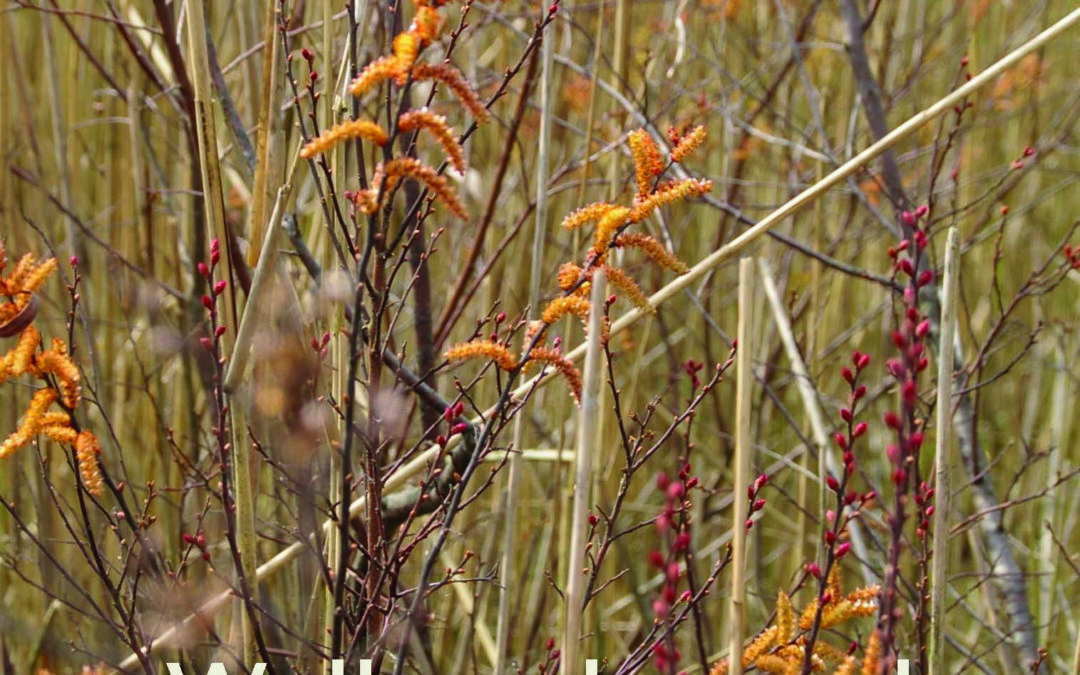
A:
x: 648, y: 164
x: 482, y: 349
x: 569, y: 274
x: 623, y: 282
x: 345, y: 131
x: 587, y: 214
x: 23, y: 354
x: 668, y: 193
x: 31, y: 422
x: 456, y: 82
x: 653, y: 249
x: 562, y: 306
x: 607, y: 227
x: 872, y: 654
x: 847, y: 667
x: 16, y: 280
x: 555, y: 358
x: 403, y: 167
x: 87, y: 451
x: 37, y: 276
x: 58, y: 363
x: 436, y: 124
x: 406, y: 49
x: 378, y: 71
x: 688, y: 143
x: 427, y: 24
x: 785, y: 618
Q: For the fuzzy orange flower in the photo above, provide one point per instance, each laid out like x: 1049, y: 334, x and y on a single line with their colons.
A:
x: 688, y: 143
x: 648, y: 164
x: 436, y: 124
x: 483, y: 349
x: 456, y: 82
x: 342, y: 132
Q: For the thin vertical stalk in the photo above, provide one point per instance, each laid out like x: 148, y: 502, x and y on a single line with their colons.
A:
x: 214, y: 207
x: 513, y: 486
x: 939, y: 574
x: 260, y: 191
x: 743, y: 386
x: 583, y: 458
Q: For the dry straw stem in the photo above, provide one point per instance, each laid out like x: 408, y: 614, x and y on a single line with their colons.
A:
x: 721, y: 255
x: 587, y: 447
x: 826, y: 460
x: 942, y: 457
x: 743, y: 451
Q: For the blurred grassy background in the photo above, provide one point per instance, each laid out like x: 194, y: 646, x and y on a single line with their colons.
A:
x: 99, y: 164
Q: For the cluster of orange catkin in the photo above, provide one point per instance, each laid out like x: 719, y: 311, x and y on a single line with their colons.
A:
x: 401, y: 67
x: 610, y: 223
x: 53, y: 367
x: 780, y: 648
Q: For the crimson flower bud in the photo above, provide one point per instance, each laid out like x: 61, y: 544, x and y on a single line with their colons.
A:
x: 814, y: 570
x: 920, y: 240
x: 203, y: 269
x: 908, y: 391
x: 923, y: 329
x: 662, y: 481
x: 926, y: 277
x: 441, y: 440
x: 860, y: 429
x: 593, y: 519
x: 306, y: 53
x: 916, y: 440
x: 208, y: 302
x: 848, y: 376
x: 908, y: 217
x: 189, y: 539
x: 841, y: 440
x: 676, y: 491
x: 657, y: 559
x: 692, y: 483
x: 74, y: 260
x: 845, y: 414
x: 458, y: 428
x: 550, y: 644
x: 833, y: 484
x: 859, y: 392
x: 842, y: 549
x: 892, y: 420
x: 830, y: 537
x: 850, y: 498
x: 682, y: 541
x: 898, y: 339
x: 759, y: 504
x: 906, y: 266
x: 760, y: 482
x: 207, y: 343
x: 930, y: 510
x: 749, y: 524
x: 500, y: 317
x: 825, y: 598
x: 922, y: 211
x: 219, y: 331
x: 219, y: 287
x: 864, y: 361
x: 898, y: 476
x: 200, y: 540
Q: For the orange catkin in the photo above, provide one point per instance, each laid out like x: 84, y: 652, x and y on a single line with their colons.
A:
x: 87, y: 451
x: 436, y: 124
x: 483, y: 349
x: 402, y: 167
x: 342, y: 132
x: 456, y: 82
